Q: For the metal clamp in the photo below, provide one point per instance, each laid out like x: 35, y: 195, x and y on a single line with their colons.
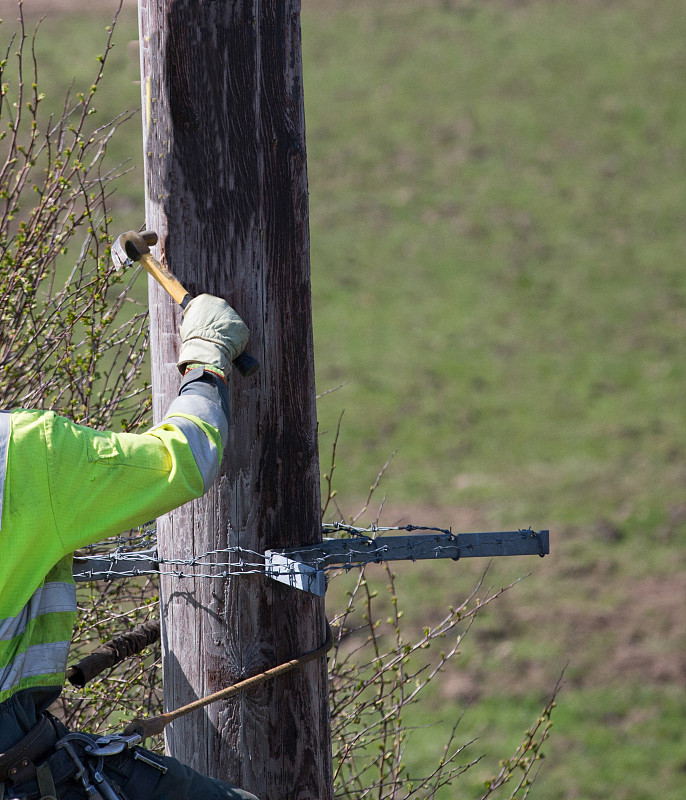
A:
x: 104, y: 789
x: 81, y: 771
x: 138, y: 756
x: 112, y: 745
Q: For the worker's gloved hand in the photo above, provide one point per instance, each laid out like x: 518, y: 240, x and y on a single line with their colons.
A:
x: 212, y: 333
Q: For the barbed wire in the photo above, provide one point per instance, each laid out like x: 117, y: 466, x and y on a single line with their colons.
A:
x: 143, y: 537
x: 334, y: 527
x: 138, y: 549
x: 361, y: 547
x: 148, y: 562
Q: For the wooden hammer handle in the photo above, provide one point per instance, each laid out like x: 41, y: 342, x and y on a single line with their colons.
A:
x: 244, y: 363
x: 165, y: 278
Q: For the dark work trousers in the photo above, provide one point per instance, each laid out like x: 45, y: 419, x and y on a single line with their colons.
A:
x: 133, y: 779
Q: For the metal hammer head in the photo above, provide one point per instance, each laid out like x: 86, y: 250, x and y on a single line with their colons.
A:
x: 130, y: 246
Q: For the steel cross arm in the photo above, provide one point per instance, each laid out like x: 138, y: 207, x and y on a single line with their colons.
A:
x: 303, y: 567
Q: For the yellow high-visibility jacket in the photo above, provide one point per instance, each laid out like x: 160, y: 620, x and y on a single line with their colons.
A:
x: 63, y: 486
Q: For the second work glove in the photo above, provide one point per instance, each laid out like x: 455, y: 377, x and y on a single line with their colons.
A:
x: 212, y: 333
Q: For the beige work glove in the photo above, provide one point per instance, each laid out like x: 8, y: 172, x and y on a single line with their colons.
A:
x: 212, y: 334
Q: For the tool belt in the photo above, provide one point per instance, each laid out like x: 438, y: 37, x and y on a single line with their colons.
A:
x: 32, y: 759
x: 49, y: 756
x: 19, y: 762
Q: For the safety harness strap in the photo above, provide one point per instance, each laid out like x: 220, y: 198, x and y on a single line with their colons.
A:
x: 46, y: 782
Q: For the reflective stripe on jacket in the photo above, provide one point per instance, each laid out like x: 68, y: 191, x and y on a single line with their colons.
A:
x: 64, y: 486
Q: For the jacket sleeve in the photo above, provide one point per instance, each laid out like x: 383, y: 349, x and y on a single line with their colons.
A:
x: 104, y: 483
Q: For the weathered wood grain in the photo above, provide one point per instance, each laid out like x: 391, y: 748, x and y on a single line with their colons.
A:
x: 226, y: 190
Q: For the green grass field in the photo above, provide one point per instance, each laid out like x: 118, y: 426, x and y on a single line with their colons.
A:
x: 497, y: 221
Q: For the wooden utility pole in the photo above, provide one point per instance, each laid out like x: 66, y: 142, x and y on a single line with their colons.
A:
x: 226, y: 190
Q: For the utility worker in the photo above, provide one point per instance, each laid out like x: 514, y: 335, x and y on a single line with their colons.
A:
x: 64, y: 486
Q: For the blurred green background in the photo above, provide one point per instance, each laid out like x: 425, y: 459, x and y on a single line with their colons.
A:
x: 497, y: 223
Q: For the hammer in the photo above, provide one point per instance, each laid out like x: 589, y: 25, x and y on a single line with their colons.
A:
x: 133, y: 246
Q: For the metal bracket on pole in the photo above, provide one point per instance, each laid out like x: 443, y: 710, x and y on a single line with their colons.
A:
x: 294, y: 573
x: 303, y: 567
